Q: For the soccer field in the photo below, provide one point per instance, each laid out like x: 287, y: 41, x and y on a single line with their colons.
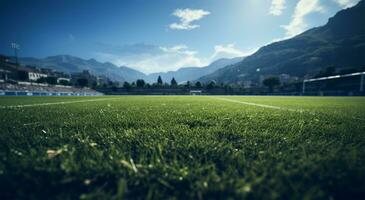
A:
x: 184, y: 147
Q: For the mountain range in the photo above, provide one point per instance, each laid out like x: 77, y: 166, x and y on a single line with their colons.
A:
x: 72, y: 64
x: 193, y: 73
x: 340, y: 44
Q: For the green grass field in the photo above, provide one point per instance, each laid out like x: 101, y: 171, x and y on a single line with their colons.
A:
x: 182, y: 147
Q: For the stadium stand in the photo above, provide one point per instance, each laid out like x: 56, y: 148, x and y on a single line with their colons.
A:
x: 34, y: 89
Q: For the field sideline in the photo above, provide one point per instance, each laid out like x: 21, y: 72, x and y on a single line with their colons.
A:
x: 201, y: 147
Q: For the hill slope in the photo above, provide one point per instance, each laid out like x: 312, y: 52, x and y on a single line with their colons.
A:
x: 340, y: 43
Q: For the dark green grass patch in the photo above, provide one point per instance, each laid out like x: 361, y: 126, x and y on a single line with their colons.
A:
x: 183, y: 147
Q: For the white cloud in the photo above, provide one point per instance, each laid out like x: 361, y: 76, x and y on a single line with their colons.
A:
x: 346, y: 3
x: 277, y: 7
x: 187, y: 16
x: 302, y: 9
x: 229, y: 51
x: 151, y: 58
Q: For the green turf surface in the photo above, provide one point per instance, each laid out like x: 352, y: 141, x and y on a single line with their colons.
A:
x: 182, y: 147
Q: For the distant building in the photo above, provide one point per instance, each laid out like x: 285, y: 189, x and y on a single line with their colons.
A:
x: 85, y: 77
x: 63, y: 79
x: 286, y: 78
x: 35, y: 75
x: 261, y: 79
x: 13, y: 71
x: 4, y: 59
x: 4, y: 75
x: 247, y: 84
x: 102, y: 80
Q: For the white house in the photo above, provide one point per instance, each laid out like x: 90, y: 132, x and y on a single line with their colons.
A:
x: 34, y: 76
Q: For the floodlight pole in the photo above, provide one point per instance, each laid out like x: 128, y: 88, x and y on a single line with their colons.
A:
x: 303, y: 89
x: 15, y: 46
x: 362, y: 83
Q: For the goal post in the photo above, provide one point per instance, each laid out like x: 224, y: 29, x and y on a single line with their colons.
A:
x: 361, y: 74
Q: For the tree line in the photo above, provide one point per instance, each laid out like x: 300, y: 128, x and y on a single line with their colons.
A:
x: 270, y: 83
x: 140, y: 83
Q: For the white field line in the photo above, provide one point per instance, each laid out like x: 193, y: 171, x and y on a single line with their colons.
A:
x: 31, y: 123
x: 274, y: 107
x: 54, y: 103
x: 260, y: 105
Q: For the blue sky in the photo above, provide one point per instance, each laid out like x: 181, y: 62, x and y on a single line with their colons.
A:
x: 156, y: 35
